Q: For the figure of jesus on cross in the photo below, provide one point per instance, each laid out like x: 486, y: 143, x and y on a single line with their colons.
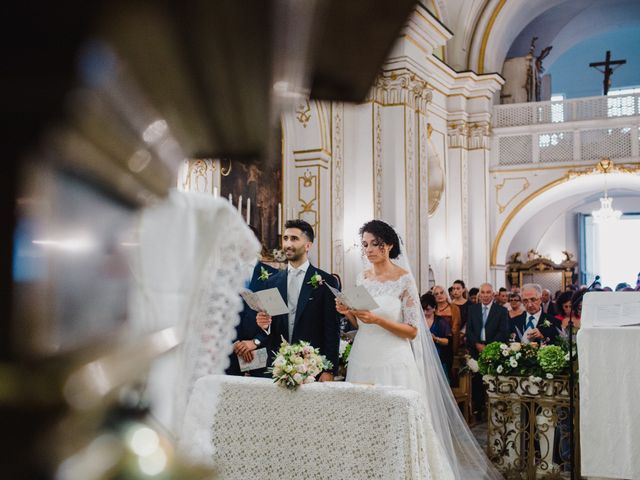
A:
x: 608, y: 71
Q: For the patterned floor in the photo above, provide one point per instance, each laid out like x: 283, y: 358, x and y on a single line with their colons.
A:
x: 479, y: 431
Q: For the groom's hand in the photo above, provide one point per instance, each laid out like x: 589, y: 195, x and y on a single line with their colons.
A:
x: 263, y: 320
x: 244, y: 348
x: 326, y: 377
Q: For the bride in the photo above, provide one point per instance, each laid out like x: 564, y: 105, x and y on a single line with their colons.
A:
x: 393, y: 348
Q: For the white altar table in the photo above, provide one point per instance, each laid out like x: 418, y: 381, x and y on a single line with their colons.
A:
x: 323, y: 430
x: 609, y: 394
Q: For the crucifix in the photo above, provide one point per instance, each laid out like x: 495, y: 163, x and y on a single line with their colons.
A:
x: 608, y: 71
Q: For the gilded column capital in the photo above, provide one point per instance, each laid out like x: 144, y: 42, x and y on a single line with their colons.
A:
x: 401, y: 87
x: 470, y: 136
x: 479, y: 135
x: 458, y: 134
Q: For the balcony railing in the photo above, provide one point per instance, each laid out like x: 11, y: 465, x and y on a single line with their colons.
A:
x: 577, y: 130
x: 578, y: 109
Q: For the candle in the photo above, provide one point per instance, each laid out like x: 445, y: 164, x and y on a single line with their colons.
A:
x: 231, y: 199
x: 215, y: 192
x: 279, y: 218
x: 248, y: 211
x: 240, y: 204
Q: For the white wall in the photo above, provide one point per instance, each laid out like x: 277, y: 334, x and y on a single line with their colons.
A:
x: 556, y: 229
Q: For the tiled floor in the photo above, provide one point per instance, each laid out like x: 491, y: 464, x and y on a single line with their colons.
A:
x: 479, y: 431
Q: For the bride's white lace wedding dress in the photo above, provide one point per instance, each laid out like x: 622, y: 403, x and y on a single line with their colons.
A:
x: 383, y: 358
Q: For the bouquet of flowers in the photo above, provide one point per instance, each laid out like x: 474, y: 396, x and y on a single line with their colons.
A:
x: 499, y: 358
x: 522, y: 359
x: 297, y: 364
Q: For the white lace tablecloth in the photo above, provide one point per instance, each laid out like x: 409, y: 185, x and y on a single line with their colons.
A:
x: 609, y: 393
x: 321, y: 431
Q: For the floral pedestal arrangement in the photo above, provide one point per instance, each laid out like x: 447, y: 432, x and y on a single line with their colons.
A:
x: 527, y: 410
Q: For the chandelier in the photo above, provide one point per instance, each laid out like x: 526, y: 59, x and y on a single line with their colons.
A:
x: 606, y: 213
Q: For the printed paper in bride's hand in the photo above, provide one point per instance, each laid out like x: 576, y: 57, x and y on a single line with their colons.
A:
x: 259, y: 360
x: 356, y: 298
x: 269, y: 301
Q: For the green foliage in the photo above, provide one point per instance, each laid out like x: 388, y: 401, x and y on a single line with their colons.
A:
x: 522, y: 360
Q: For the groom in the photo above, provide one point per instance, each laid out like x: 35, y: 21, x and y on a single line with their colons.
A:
x: 312, y: 313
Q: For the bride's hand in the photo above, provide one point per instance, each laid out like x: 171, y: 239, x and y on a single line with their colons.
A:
x: 366, y: 316
x: 341, y: 308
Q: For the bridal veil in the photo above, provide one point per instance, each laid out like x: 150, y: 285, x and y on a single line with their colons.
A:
x: 466, y: 457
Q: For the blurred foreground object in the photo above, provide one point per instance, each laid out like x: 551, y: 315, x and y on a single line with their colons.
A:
x: 104, y: 101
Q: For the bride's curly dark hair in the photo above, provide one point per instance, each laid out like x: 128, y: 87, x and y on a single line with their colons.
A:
x: 383, y: 233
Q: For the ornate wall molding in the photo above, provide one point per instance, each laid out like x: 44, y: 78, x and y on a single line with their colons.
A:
x: 401, y: 87
x: 423, y: 191
x: 199, y: 175
x: 524, y: 185
x: 303, y: 113
x: 464, y: 198
x: 410, y: 179
x: 377, y: 161
x: 337, y: 190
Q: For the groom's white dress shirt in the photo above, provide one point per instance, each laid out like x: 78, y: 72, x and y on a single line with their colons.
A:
x: 295, y: 277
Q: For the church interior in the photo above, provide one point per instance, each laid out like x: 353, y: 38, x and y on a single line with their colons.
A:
x: 500, y: 139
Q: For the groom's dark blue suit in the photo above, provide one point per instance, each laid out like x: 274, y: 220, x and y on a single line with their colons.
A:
x: 316, y: 319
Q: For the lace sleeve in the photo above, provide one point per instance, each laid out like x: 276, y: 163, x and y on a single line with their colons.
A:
x: 411, y: 314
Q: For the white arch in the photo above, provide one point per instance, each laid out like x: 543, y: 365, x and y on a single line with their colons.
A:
x: 549, y: 194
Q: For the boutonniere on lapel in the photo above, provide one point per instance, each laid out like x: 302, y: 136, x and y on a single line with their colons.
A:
x: 264, y: 274
x: 315, y: 280
x: 546, y: 323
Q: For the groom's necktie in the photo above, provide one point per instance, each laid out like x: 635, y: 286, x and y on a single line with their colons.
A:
x: 485, y: 315
x: 293, y: 292
x: 530, y: 322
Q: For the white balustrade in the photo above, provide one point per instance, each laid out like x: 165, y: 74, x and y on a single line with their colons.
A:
x: 576, y: 130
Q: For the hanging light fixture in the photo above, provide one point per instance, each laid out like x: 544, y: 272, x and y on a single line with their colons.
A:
x: 606, y: 213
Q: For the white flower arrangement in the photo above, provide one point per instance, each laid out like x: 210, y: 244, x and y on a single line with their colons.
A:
x: 472, y: 363
x: 298, y: 364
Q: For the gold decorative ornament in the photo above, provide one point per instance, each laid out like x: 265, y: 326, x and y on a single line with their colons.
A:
x: 503, y: 206
x: 303, y: 113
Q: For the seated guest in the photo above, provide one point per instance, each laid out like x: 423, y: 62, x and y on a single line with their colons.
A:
x: 458, y: 297
x: 622, y: 287
x: 515, y: 303
x: 439, y: 328
x: 502, y: 297
x: 451, y: 313
x: 563, y: 307
x: 576, y: 302
x: 534, y: 325
x: 547, y: 305
x: 473, y: 295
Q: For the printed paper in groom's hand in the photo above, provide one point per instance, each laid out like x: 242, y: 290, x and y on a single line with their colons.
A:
x: 356, y: 298
x: 259, y: 360
x: 269, y: 301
